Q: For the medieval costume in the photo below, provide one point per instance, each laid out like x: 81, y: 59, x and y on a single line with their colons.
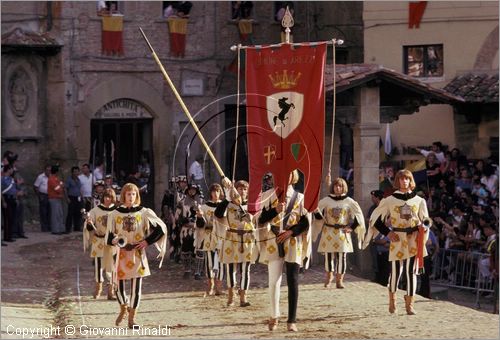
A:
x: 337, y: 216
x: 235, y: 226
x: 186, y: 217
x: 404, y: 219
x: 283, y: 238
x: 131, y: 228
x: 206, y: 240
x: 93, y: 237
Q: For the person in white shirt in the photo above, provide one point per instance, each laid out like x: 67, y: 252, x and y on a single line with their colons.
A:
x: 40, y: 187
x: 98, y: 172
x: 86, y: 180
x: 436, y: 148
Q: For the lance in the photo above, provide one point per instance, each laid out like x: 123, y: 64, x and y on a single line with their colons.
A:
x: 184, y: 108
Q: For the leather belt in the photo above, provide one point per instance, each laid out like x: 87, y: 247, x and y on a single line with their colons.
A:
x: 336, y: 226
x: 406, y: 230
x: 240, y: 231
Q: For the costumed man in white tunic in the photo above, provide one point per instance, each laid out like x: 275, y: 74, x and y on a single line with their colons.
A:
x: 131, y: 228
x: 206, y: 240
x: 283, y: 238
x: 238, y: 243
x: 96, y: 223
x: 404, y: 219
x: 186, y: 217
x: 336, y: 218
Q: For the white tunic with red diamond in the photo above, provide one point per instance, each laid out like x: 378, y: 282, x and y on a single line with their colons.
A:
x: 296, y: 248
x: 338, y: 212
x: 236, y: 248
x: 207, y: 234
x: 401, y: 214
x: 134, y: 227
x: 95, y: 238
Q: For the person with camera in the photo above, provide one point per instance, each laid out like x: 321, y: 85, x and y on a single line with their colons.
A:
x: 131, y: 228
x: 207, y: 240
x: 337, y: 216
x: 238, y: 240
x: 408, y: 233
x: 285, y: 225
x: 96, y: 222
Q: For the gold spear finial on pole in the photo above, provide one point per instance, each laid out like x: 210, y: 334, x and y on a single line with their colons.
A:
x: 184, y: 108
x: 287, y: 22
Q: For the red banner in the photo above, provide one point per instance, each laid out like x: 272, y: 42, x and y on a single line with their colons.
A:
x: 415, y: 13
x: 286, y: 117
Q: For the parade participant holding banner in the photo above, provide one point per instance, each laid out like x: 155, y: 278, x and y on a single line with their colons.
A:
x: 238, y: 240
x: 336, y: 217
x: 206, y: 240
x: 408, y: 232
x: 96, y: 221
x: 131, y: 228
x: 284, y: 225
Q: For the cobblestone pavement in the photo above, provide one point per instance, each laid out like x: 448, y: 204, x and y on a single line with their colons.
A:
x: 47, y: 281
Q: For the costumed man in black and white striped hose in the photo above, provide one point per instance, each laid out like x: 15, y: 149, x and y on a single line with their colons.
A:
x: 206, y: 240
x: 131, y: 228
x: 336, y: 218
x: 408, y: 230
x: 96, y: 223
x: 238, y: 244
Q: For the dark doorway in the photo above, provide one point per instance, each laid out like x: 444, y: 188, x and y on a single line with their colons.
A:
x: 230, y: 138
x: 122, y: 145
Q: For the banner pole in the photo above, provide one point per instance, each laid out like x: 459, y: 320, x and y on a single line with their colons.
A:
x: 184, y: 108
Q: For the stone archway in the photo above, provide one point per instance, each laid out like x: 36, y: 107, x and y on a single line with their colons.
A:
x: 139, y: 91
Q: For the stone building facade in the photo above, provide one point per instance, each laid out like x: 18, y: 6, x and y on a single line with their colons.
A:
x: 65, y: 102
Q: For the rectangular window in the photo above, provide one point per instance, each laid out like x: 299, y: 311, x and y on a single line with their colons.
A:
x: 423, y: 61
x: 179, y: 9
x: 108, y: 8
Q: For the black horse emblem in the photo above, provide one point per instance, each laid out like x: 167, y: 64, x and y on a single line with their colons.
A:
x: 285, y: 107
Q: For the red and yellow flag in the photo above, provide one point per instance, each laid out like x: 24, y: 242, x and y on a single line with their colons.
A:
x: 178, y: 29
x: 286, y: 117
x: 245, y: 27
x: 112, y: 34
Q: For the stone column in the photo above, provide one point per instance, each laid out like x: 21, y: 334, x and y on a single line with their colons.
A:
x: 366, y: 135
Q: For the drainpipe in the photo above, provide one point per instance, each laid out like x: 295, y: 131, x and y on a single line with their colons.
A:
x: 49, y: 16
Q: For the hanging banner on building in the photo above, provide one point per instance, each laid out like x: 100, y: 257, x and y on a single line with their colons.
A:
x: 286, y: 117
x: 245, y: 27
x: 112, y: 34
x: 415, y: 13
x: 178, y: 29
